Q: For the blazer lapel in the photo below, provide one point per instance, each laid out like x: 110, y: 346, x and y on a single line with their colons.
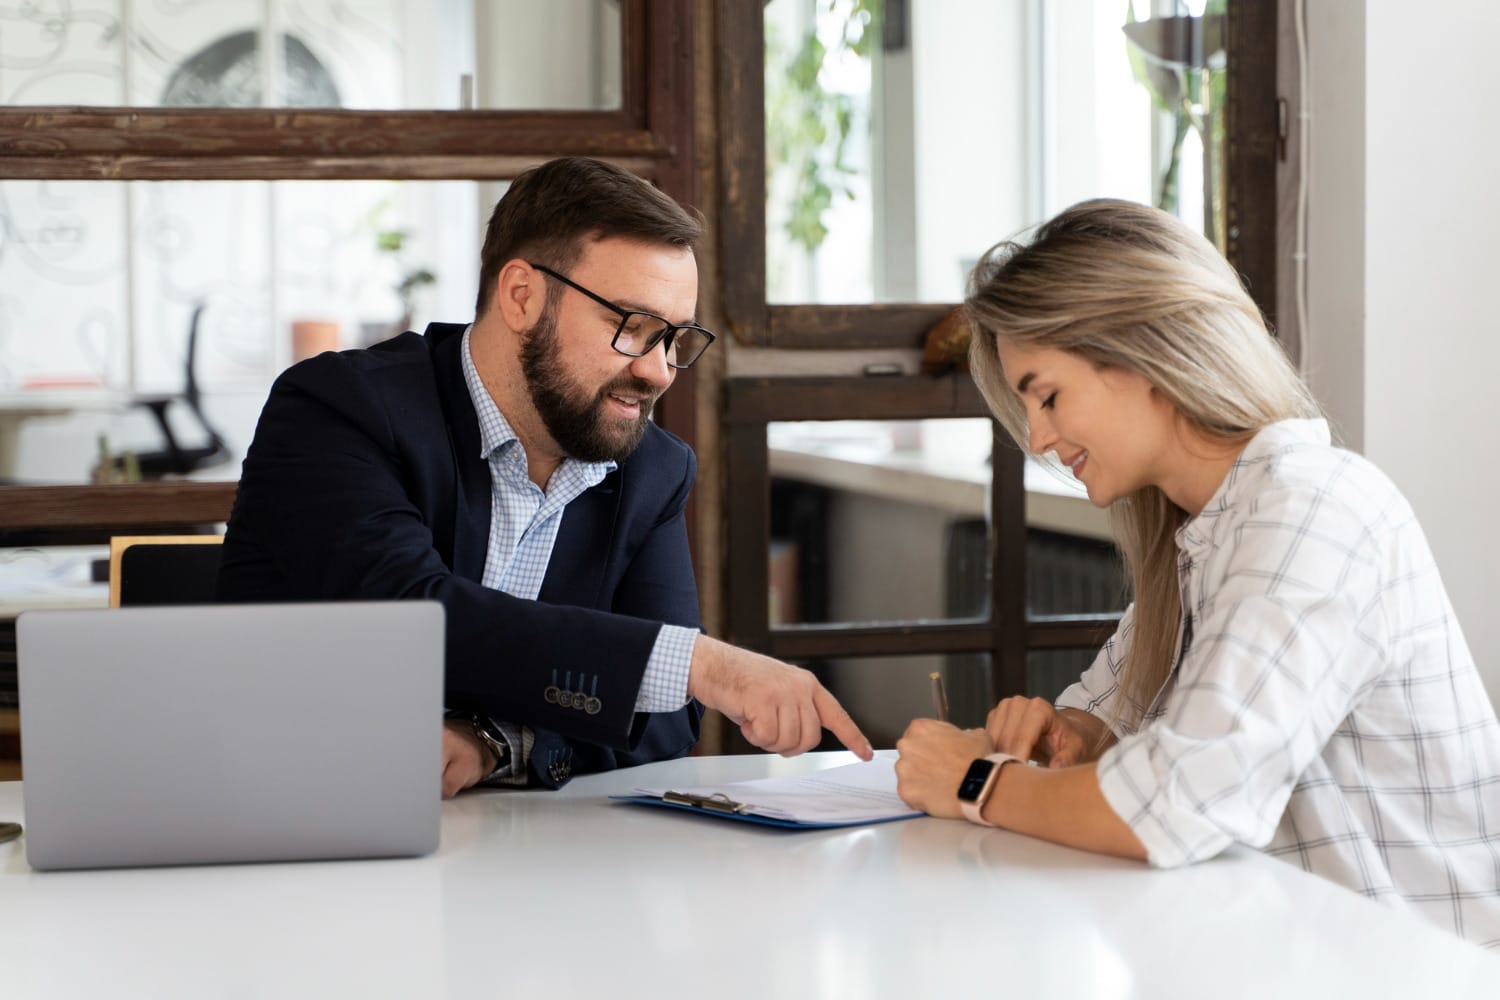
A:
x: 579, y: 572
x: 471, y: 515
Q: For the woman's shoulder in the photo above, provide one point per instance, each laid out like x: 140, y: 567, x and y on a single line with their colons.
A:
x: 1300, y: 477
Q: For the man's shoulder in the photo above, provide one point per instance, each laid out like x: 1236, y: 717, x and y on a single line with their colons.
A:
x: 661, y: 450
x: 404, y: 351
x: 402, y: 363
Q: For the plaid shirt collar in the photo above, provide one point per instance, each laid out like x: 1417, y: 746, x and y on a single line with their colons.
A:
x: 1269, y: 441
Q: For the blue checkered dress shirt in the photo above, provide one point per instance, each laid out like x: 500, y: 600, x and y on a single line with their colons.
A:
x: 523, y: 527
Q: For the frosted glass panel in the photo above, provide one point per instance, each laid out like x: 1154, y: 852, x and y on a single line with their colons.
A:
x: 64, y: 296
x: 363, y: 54
x: 102, y: 285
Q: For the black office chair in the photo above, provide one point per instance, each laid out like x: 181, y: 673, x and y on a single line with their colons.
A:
x: 163, y: 569
x: 175, y: 458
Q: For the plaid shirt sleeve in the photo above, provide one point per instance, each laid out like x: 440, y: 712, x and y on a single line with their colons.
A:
x: 1096, y: 690
x: 1288, y: 634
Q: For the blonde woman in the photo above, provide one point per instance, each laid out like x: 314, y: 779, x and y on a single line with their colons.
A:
x: 1290, y: 675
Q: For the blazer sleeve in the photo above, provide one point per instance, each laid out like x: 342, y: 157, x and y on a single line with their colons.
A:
x: 336, y: 502
x: 651, y: 578
x: 659, y: 585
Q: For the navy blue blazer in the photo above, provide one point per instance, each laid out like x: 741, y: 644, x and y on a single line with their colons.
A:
x: 364, y: 481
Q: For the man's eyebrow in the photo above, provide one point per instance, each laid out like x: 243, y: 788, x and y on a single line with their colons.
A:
x: 1025, y: 381
x: 632, y: 305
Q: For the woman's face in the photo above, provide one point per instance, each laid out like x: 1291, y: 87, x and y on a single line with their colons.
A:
x: 1108, y: 425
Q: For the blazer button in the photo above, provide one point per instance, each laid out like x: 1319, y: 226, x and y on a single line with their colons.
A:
x: 565, y: 699
x: 592, y: 705
x: 551, y: 694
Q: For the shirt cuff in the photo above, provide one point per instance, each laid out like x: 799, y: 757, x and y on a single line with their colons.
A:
x: 665, y: 683
x: 520, y: 739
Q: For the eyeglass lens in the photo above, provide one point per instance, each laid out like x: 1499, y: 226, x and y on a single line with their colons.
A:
x: 640, y: 333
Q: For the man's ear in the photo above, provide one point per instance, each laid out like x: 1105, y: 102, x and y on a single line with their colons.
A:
x: 520, y: 295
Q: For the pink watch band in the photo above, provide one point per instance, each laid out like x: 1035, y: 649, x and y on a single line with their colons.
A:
x: 974, y: 811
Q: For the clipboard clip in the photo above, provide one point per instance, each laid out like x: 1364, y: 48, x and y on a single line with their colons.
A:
x: 717, y: 802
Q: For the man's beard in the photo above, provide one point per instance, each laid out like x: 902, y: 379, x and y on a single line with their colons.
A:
x: 576, y: 420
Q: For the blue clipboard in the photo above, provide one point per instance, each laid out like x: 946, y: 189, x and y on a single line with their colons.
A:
x: 722, y: 806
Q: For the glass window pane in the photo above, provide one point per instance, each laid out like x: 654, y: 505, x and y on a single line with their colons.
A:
x: 879, y: 521
x: 1072, y: 564
x: 883, y: 694
x: 896, y: 153
x: 1050, y: 671
x: 363, y: 54
x: 102, y: 284
x: 876, y: 521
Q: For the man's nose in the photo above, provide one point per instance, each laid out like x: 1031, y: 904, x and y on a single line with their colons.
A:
x: 652, y: 366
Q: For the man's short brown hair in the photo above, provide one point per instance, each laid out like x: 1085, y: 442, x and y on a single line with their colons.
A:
x: 551, y: 210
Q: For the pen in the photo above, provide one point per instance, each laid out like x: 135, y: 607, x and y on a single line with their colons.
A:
x: 939, y: 697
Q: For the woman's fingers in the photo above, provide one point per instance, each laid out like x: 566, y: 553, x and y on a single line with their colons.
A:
x: 1033, y: 729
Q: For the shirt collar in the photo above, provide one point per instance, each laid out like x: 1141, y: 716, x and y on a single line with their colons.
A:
x: 495, y: 432
x: 1268, y: 442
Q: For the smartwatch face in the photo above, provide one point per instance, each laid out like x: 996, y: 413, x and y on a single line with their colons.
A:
x: 973, y: 783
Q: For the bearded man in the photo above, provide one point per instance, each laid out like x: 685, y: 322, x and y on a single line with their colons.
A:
x: 510, y: 470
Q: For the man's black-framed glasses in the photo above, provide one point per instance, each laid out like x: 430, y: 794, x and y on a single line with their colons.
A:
x: 640, y: 332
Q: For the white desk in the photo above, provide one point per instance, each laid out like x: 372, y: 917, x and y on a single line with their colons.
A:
x: 50, y: 577
x: 570, y: 895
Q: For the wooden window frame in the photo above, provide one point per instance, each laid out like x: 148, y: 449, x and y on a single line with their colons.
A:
x: 1006, y: 633
x: 1254, y: 146
x: 652, y: 134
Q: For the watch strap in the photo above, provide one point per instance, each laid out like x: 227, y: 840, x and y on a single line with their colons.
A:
x: 974, y: 811
x: 493, y: 740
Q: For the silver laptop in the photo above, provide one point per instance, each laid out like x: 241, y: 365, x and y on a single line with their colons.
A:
x: 205, y: 734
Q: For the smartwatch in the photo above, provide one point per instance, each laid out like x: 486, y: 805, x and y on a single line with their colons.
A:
x: 974, y: 791
x: 493, y: 741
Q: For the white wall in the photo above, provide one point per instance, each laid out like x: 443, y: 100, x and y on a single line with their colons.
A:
x: 1403, y: 343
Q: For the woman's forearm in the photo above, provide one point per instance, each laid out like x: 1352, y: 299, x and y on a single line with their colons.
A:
x: 1063, y: 805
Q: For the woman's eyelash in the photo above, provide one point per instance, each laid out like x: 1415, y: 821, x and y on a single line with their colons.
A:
x: 1047, y: 403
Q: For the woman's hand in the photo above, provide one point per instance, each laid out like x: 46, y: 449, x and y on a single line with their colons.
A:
x: 1032, y: 729
x: 935, y: 756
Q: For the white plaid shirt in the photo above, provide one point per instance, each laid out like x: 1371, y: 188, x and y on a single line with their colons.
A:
x: 524, y: 521
x: 1325, y: 706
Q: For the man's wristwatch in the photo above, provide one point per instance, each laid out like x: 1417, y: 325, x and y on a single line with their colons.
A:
x: 493, y: 740
x: 974, y: 791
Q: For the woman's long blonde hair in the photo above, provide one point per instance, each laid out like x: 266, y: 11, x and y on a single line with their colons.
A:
x: 1129, y: 287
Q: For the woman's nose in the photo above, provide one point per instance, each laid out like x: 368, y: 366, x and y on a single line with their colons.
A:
x: 1041, y: 435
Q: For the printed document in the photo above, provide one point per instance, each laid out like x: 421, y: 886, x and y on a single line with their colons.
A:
x: 840, y: 796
